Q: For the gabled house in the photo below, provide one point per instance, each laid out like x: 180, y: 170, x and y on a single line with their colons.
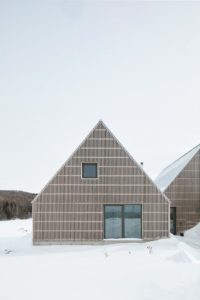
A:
x: 100, y: 193
x: 180, y: 182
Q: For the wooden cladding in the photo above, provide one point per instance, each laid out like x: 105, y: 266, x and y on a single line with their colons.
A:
x: 184, y: 193
x: 71, y: 208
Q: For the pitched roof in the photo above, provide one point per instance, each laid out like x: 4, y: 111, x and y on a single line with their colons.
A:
x: 168, y: 175
x: 102, y: 124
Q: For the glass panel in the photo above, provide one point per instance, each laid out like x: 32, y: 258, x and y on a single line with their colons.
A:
x: 173, y: 220
x: 132, y: 221
x: 113, y: 221
x: 89, y: 170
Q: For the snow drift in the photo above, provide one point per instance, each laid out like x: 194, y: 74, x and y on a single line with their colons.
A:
x: 165, y: 269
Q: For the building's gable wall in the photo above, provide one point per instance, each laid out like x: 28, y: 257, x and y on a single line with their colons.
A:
x: 184, y: 193
x: 71, y: 208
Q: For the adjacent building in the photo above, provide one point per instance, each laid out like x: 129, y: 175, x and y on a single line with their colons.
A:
x: 180, y: 182
x: 100, y: 194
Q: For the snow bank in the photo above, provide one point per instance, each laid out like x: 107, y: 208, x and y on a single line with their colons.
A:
x: 13, y: 228
x: 164, y: 269
x: 193, y: 233
x: 181, y: 257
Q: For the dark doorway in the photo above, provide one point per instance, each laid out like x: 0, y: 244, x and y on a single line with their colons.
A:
x: 173, y: 220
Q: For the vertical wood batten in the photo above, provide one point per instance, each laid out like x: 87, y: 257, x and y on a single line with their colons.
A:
x: 71, y: 208
x: 184, y: 193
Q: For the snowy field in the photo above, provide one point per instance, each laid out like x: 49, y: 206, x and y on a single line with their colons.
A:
x: 166, y: 269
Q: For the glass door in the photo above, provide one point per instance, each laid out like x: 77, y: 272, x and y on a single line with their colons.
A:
x: 173, y: 220
x: 132, y: 221
x: 113, y: 221
x: 123, y: 221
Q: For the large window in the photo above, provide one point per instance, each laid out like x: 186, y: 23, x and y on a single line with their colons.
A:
x: 123, y: 221
x: 89, y: 170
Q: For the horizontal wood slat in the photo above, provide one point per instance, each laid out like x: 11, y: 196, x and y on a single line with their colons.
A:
x: 72, y: 209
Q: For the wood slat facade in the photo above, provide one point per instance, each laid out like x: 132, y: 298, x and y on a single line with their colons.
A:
x: 184, y: 193
x: 71, y: 209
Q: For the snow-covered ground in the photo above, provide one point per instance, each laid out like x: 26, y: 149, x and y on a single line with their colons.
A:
x: 166, y: 269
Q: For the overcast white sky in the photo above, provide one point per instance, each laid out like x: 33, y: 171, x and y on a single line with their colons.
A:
x: 66, y: 64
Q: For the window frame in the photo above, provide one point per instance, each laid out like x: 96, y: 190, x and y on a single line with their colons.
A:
x: 122, y: 220
x: 89, y: 163
x: 173, y: 214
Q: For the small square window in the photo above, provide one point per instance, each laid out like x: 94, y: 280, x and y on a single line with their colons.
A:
x: 89, y: 170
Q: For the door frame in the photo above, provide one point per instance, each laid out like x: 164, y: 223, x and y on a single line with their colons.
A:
x: 173, y: 213
x: 122, y: 219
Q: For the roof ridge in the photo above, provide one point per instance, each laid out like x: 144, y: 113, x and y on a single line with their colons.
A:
x: 180, y: 157
x: 58, y: 170
x: 120, y: 144
x: 169, y: 173
x: 135, y: 161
